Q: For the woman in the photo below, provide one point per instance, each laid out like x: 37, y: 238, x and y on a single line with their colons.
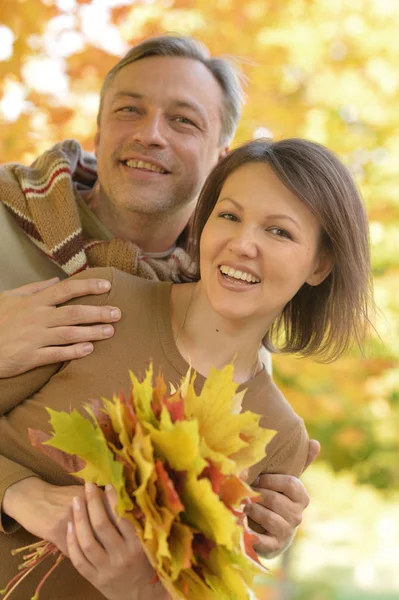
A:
x: 280, y: 239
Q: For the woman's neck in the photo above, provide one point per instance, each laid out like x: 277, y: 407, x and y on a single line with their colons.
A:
x: 205, y: 339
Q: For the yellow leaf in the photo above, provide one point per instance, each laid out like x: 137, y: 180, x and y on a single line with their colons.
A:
x: 142, y: 392
x: 180, y: 544
x: 178, y: 445
x: 75, y: 434
x: 225, y: 578
x: 204, y: 511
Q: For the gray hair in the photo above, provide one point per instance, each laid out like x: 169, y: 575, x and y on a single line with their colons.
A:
x: 223, y: 69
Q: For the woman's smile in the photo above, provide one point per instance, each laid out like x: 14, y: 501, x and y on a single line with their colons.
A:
x: 260, y: 239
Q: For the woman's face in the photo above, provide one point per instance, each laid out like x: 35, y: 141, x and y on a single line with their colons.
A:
x: 258, y: 247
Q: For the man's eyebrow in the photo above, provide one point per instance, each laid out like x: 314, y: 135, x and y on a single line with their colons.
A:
x: 197, y: 108
x: 125, y: 93
x: 177, y: 102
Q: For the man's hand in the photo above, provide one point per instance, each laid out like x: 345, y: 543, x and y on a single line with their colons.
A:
x: 279, y: 512
x: 41, y: 508
x: 35, y: 330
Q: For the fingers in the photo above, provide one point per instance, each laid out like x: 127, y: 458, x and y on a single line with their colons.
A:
x: 58, y: 354
x: 92, y: 550
x: 31, y: 288
x: 277, y: 503
x: 267, y: 545
x: 73, y: 288
x: 314, y: 451
x: 34, y: 327
x: 288, y: 485
x: 105, y: 531
x: 75, y: 335
x: 125, y: 527
x: 81, y: 315
x: 77, y: 557
x: 275, y: 529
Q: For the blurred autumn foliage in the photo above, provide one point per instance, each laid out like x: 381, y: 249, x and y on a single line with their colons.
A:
x: 318, y: 69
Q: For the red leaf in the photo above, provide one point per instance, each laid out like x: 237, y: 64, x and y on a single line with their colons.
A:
x: 166, y: 490
x: 68, y: 462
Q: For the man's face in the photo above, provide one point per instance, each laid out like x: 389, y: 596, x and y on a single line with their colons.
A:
x: 159, y: 134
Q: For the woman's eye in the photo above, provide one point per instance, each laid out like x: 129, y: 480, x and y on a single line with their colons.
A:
x: 228, y: 217
x: 280, y: 232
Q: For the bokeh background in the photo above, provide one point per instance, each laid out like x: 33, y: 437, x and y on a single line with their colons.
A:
x: 322, y: 69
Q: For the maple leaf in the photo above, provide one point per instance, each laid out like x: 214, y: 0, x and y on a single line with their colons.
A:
x: 204, y: 511
x: 180, y: 543
x: 174, y: 461
x: 178, y: 443
x: 76, y: 435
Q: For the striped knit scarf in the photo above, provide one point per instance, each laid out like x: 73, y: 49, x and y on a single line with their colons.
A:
x: 42, y: 199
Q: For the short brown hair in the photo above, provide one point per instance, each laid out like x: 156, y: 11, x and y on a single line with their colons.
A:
x: 222, y: 68
x: 319, y: 320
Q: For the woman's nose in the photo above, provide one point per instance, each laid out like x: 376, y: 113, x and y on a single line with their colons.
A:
x: 244, y: 244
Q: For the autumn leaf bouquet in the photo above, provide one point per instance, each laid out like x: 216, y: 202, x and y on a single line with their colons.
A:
x: 175, y: 459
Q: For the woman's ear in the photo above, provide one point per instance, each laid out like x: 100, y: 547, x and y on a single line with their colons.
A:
x: 324, y: 265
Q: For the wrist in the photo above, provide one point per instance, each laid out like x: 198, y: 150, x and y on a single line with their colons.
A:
x: 18, y: 492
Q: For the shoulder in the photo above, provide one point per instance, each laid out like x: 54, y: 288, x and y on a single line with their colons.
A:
x: 126, y: 289
x: 287, y: 452
x: 264, y: 398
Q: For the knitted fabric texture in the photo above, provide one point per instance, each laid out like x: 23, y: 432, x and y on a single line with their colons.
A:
x: 42, y: 199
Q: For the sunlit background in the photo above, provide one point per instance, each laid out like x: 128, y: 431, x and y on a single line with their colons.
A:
x: 322, y: 69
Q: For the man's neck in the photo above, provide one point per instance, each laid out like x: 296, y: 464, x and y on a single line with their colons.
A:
x: 152, y: 233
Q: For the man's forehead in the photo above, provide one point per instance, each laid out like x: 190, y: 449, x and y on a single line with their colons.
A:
x: 184, y: 81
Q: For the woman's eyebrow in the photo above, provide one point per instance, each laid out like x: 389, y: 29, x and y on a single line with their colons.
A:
x: 269, y: 216
x: 235, y: 202
x: 283, y: 216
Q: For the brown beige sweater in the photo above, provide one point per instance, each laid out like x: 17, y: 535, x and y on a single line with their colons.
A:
x: 46, y: 230
x: 143, y: 333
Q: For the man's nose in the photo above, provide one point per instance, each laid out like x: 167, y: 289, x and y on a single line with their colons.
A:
x: 150, y: 131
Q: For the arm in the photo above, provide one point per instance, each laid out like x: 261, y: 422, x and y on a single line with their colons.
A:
x: 106, y: 551
x: 15, y: 390
x: 41, y: 508
x: 35, y: 330
x: 279, y: 511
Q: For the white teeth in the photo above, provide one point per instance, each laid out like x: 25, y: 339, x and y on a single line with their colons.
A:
x: 139, y: 164
x: 238, y: 274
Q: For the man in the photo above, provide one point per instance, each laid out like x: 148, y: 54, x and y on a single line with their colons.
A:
x: 167, y: 115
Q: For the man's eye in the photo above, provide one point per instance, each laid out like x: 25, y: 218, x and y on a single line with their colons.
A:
x: 185, y: 121
x: 280, y: 232
x: 127, y: 109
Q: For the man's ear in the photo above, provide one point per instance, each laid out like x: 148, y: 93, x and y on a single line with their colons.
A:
x: 223, y: 152
x: 96, y: 141
x: 324, y: 265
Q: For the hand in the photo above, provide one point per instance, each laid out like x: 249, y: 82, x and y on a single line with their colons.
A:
x: 106, y: 551
x: 41, y: 508
x: 35, y: 331
x: 279, y: 511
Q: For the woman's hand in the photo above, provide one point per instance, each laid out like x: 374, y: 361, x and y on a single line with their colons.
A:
x: 41, y: 508
x: 106, y: 551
